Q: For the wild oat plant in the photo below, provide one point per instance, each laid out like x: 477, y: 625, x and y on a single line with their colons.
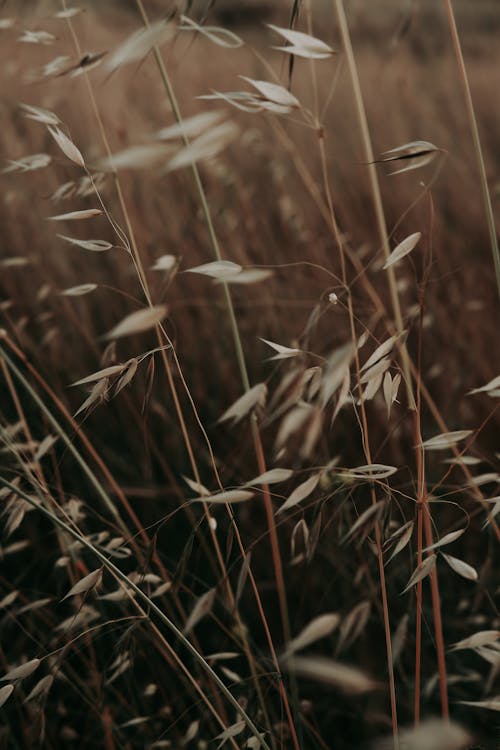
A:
x: 250, y: 374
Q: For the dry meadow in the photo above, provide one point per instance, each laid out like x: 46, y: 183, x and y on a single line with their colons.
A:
x: 249, y: 374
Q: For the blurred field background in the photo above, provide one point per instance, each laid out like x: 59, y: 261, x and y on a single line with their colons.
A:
x: 269, y: 208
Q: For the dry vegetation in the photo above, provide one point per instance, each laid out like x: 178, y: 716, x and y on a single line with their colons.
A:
x: 138, y: 608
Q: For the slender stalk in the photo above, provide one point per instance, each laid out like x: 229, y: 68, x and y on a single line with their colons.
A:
x: 240, y: 356
x: 423, y: 513
x: 490, y: 219
x: 438, y: 623
x: 214, y: 242
x: 145, y: 287
x: 136, y: 256
x: 421, y: 500
x: 366, y: 446
x: 139, y: 267
x: 376, y: 195
x: 397, y: 311
x: 418, y: 621
x: 423, y: 508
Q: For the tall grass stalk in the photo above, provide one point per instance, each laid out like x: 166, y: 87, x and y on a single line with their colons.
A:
x: 423, y: 513
x: 421, y: 503
x: 375, y: 190
x: 346, y: 40
x: 242, y: 365
x: 185, y: 433
x: 366, y: 446
x: 259, y: 452
x: 490, y: 218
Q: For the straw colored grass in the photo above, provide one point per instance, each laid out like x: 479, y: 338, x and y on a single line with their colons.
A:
x: 265, y: 512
